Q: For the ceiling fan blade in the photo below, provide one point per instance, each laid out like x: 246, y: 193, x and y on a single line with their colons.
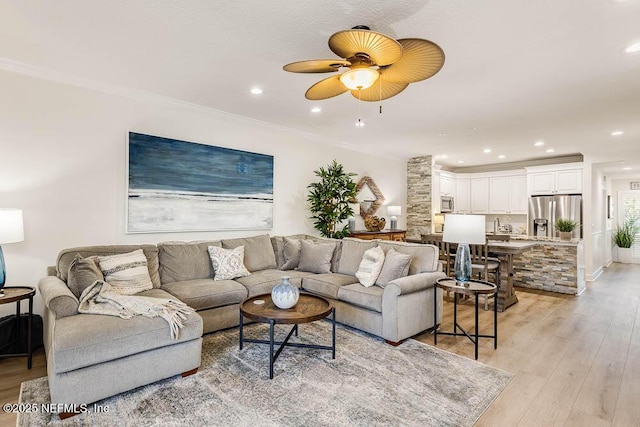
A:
x: 316, y: 66
x: 327, y: 88
x: 420, y: 60
x: 382, y: 49
x: 379, y: 91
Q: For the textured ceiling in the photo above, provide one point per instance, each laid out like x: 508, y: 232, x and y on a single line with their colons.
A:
x: 516, y: 71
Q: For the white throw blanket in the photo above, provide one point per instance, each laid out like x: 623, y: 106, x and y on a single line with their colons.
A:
x: 100, y: 298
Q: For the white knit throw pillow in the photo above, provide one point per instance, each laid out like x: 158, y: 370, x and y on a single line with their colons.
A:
x: 370, y: 266
x: 127, y: 273
x: 228, y: 263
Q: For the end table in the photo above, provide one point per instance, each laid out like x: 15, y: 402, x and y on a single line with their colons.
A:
x: 17, y: 294
x: 471, y: 288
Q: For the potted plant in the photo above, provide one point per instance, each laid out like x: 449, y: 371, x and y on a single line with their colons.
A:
x: 624, y: 237
x: 565, y: 228
x: 330, y: 199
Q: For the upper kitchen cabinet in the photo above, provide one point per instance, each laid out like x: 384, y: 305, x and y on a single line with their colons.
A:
x: 463, y: 195
x: 447, y: 185
x: 566, y: 181
x: 508, y: 194
x: 479, y: 195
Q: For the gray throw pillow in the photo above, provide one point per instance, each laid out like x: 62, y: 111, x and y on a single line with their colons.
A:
x: 396, y: 265
x: 315, y: 257
x: 82, y: 273
x: 291, y: 253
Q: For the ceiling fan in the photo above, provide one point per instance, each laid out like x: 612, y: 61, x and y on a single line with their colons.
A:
x: 375, y: 66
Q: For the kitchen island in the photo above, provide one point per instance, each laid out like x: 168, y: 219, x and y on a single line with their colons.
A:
x: 547, y: 264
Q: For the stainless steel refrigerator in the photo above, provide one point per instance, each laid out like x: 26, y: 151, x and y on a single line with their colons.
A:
x: 545, y: 210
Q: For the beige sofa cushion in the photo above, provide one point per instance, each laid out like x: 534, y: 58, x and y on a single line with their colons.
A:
x: 202, y: 294
x: 82, y: 273
x: 277, y: 242
x: 361, y: 296
x: 258, y: 251
x: 351, y: 254
x: 67, y: 255
x: 89, y: 339
x: 396, y: 265
x: 262, y: 282
x: 181, y: 261
x: 316, y: 257
x: 327, y: 285
x: 424, y: 258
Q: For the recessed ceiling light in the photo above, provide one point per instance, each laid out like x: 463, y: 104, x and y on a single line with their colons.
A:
x: 550, y: 150
x: 443, y: 156
x: 617, y: 133
x: 539, y: 143
x: 442, y: 134
x: 633, y: 48
x: 460, y: 161
x: 501, y: 156
x: 256, y: 91
x: 360, y: 123
x: 316, y: 109
x: 486, y: 150
x: 626, y: 169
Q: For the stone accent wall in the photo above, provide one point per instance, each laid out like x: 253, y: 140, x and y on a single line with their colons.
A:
x: 419, y: 187
x: 552, y: 268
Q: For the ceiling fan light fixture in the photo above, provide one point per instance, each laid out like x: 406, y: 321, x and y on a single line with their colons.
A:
x: 359, y: 78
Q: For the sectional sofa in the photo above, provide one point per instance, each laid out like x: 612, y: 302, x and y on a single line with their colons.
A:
x: 91, y: 357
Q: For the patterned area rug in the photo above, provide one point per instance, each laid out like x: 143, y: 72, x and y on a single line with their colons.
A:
x: 369, y: 383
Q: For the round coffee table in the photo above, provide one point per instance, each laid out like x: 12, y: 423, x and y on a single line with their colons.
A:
x: 472, y: 288
x: 308, y: 309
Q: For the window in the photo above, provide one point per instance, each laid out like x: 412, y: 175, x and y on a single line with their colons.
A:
x: 629, y: 208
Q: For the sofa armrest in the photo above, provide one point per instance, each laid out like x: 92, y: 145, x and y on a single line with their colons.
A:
x: 58, y: 297
x: 414, y: 283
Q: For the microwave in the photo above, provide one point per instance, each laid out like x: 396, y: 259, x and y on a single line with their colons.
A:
x: 446, y: 204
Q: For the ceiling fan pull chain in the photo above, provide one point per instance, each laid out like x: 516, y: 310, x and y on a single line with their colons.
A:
x: 380, y: 93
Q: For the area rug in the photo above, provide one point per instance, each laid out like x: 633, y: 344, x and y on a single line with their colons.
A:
x: 369, y: 383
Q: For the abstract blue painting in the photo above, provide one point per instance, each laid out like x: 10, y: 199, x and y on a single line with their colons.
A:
x: 183, y: 186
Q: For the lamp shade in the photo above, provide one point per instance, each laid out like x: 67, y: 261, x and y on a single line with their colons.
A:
x: 464, y: 229
x: 11, y: 226
x: 394, y: 210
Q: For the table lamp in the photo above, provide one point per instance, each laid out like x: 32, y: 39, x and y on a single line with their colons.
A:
x: 11, y: 231
x: 394, y: 211
x: 464, y: 230
x: 438, y: 220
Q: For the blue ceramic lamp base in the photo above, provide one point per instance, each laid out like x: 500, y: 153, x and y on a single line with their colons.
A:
x: 462, y: 264
x: 3, y: 274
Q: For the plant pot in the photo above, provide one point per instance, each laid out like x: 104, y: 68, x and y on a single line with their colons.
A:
x: 624, y: 255
x: 565, y: 235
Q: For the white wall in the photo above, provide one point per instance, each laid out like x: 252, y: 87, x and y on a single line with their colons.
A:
x: 63, y: 154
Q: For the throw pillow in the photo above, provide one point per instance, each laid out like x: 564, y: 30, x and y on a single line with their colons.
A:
x: 396, y: 265
x: 315, y: 257
x: 82, y: 273
x: 127, y: 273
x: 291, y: 253
x: 228, y: 263
x: 370, y: 266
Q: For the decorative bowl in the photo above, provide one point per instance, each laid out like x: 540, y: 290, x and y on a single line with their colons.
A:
x: 373, y: 223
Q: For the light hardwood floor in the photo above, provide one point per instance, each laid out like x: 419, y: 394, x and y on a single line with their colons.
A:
x: 576, y: 360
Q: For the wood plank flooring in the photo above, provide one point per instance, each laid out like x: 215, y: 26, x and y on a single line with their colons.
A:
x: 576, y: 360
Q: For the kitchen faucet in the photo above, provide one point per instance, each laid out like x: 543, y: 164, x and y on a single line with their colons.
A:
x: 496, y: 225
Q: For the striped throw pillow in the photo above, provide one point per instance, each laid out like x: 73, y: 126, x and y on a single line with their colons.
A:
x: 228, y: 263
x: 127, y: 273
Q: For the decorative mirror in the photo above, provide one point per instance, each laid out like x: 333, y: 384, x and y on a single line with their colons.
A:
x: 368, y: 196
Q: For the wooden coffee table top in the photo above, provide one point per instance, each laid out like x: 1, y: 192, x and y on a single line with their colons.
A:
x: 16, y: 293
x: 308, y: 309
x: 472, y: 287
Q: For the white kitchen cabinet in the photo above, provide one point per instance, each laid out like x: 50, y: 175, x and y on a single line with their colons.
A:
x: 479, y: 195
x: 567, y: 181
x: 463, y: 195
x: 508, y: 195
x: 447, y: 185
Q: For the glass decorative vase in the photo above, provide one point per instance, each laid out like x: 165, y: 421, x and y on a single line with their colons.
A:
x: 462, y: 264
x: 285, y: 295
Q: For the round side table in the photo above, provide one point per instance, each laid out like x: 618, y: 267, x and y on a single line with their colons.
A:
x: 473, y: 288
x: 17, y: 294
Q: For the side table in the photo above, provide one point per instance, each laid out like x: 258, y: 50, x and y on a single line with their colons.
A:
x: 471, y: 288
x: 17, y: 294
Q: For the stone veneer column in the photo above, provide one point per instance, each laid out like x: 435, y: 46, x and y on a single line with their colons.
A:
x: 419, y: 185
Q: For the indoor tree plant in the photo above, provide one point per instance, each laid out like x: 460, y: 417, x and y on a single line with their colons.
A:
x: 565, y: 227
x: 329, y: 200
x: 624, y: 237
